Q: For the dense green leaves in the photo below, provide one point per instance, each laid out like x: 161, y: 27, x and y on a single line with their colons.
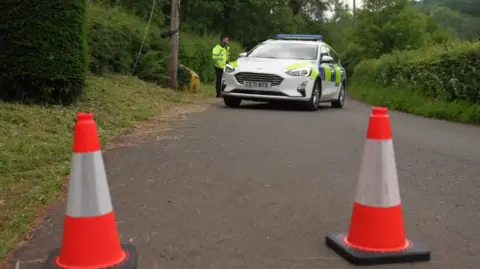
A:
x: 44, y: 50
x: 117, y: 28
x: 116, y: 37
x: 251, y: 21
x: 459, y: 17
x: 470, y: 7
x: 446, y: 72
x: 395, y: 27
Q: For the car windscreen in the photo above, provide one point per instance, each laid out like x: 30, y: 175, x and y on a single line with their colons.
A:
x: 285, y: 50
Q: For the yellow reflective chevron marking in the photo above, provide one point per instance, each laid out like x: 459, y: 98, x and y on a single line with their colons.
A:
x: 299, y: 65
x: 338, y: 75
x: 315, y: 73
x: 328, y: 72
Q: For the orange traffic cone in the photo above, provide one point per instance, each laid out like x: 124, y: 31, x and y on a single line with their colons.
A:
x: 377, y: 234
x: 90, y: 237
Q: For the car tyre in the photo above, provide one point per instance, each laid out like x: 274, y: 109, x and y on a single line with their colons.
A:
x: 341, y: 98
x: 232, y: 102
x: 314, y: 102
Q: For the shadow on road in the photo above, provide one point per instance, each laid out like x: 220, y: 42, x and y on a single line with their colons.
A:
x: 279, y: 106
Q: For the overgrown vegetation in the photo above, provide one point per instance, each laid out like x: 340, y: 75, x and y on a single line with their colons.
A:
x: 408, y: 55
x: 48, y: 49
x: 408, y: 99
x: 36, y: 143
x: 448, y: 72
x: 116, y: 37
x: 406, y: 61
x: 43, y: 57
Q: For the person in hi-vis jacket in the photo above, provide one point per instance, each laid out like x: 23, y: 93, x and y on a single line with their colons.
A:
x: 220, y: 57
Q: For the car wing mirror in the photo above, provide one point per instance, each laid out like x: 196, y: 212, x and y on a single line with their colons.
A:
x: 326, y: 59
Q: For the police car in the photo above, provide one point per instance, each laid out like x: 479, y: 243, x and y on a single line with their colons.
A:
x: 290, y: 67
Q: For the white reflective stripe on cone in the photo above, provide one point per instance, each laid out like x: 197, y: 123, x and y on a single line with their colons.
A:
x: 378, y: 181
x: 88, y: 193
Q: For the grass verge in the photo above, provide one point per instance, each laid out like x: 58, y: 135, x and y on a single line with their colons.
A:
x: 410, y: 101
x: 36, y: 144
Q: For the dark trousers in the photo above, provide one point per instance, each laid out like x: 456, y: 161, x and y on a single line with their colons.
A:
x: 218, y: 79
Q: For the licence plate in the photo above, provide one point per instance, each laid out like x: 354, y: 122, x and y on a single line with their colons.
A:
x: 258, y: 85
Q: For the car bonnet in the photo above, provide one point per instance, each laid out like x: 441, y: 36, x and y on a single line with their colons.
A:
x: 267, y: 65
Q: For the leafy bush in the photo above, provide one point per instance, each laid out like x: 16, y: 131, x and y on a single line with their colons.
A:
x: 116, y: 37
x: 351, y: 56
x: 184, y: 77
x: 153, y: 67
x: 409, y: 100
x: 445, y: 72
x: 141, y: 8
x: 43, y: 58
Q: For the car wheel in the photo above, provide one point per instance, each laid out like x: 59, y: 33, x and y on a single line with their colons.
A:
x: 232, y: 101
x: 341, y: 98
x: 314, y: 101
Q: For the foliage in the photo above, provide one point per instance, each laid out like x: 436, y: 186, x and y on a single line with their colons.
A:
x: 251, y: 21
x: 468, y: 7
x: 43, y: 57
x: 409, y: 100
x: 141, y: 8
x: 400, y: 53
x: 116, y: 37
x: 196, y: 52
x: 37, y: 143
x: 461, y: 22
x: 382, y: 27
x: 395, y: 27
x: 443, y: 72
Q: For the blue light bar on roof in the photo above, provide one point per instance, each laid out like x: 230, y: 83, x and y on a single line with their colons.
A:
x: 299, y: 37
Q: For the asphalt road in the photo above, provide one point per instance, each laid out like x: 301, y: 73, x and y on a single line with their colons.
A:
x: 259, y: 188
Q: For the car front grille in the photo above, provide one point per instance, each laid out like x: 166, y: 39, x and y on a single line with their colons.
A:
x: 261, y: 92
x: 258, y: 77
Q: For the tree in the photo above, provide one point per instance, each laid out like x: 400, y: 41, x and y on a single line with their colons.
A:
x: 311, y: 9
x: 340, y: 11
x: 461, y: 25
x: 251, y: 21
x: 385, y: 27
x: 377, y: 5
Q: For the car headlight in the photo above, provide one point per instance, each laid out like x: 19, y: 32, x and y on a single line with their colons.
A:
x: 300, y: 72
x: 229, y: 69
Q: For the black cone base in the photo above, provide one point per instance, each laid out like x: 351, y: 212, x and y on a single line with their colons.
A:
x: 130, y: 261
x: 415, y: 253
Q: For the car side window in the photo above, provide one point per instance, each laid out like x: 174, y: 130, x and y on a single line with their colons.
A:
x: 324, y: 50
x: 336, y: 59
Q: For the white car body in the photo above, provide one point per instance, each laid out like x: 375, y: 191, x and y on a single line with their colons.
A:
x: 267, y: 79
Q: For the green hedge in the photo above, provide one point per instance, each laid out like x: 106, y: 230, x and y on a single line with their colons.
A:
x: 448, y: 72
x: 44, y: 50
x: 409, y: 100
x: 45, y: 57
x: 116, y: 36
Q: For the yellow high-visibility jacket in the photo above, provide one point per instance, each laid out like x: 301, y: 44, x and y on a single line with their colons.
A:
x: 220, y: 56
